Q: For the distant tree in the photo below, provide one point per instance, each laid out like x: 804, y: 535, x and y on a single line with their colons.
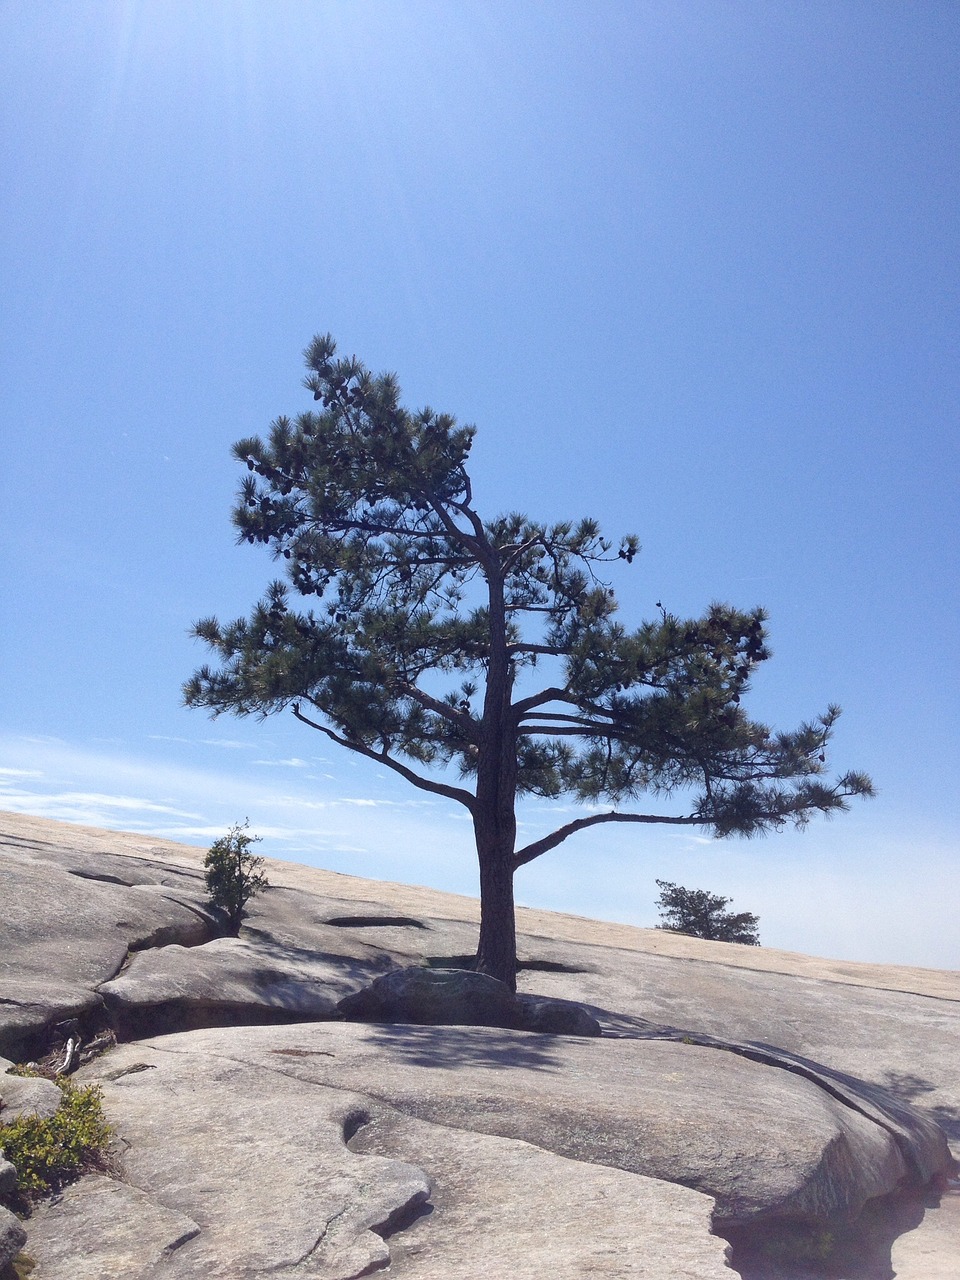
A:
x: 704, y: 915
x: 435, y: 622
x: 234, y: 875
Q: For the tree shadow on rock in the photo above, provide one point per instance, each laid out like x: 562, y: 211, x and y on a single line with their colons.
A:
x: 913, y: 1089
x: 452, y: 1047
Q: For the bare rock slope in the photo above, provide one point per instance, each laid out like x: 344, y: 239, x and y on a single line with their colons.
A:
x: 736, y: 1094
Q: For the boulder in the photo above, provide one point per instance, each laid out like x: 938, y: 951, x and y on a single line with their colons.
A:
x: 27, y: 1095
x: 554, y: 1017
x: 447, y: 997
x: 227, y: 981
x: 458, y: 997
x: 12, y: 1237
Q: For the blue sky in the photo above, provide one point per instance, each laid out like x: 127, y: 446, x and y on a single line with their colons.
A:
x: 691, y: 268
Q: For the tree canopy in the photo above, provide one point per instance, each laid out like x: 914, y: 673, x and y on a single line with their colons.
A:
x: 482, y: 659
x: 700, y: 914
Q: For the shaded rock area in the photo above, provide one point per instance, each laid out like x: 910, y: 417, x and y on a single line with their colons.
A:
x: 799, y: 1109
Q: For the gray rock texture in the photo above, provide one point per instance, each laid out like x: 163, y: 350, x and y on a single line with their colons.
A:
x: 735, y: 1086
x: 69, y: 921
x: 253, y: 1149
x: 256, y: 1160
x: 26, y: 1095
x: 12, y: 1236
x: 99, y: 1228
x: 759, y: 1140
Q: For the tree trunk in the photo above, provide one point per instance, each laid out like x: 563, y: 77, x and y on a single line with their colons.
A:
x: 497, y: 947
x: 494, y: 817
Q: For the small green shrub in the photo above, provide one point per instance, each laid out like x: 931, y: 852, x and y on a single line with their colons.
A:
x: 233, y: 874
x: 48, y: 1152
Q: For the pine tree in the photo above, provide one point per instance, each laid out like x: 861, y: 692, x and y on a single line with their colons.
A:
x: 704, y: 915
x: 432, y: 625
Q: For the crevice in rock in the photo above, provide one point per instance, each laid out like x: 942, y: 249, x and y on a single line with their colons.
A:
x: 376, y: 922
x: 353, y: 1122
x: 467, y: 962
x: 403, y: 1217
x: 181, y: 1241
x: 173, y: 1016
x: 101, y: 876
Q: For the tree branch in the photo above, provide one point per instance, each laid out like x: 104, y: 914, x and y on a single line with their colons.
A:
x: 534, y: 850
x: 550, y: 649
x: 425, y: 784
x: 461, y: 719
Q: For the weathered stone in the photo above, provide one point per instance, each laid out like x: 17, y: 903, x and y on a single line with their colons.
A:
x: 27, y: 1095
x: 760, y: 1140
x: 12, y: 1237
x: 8, y: 1175
x: 503, y: 1208
x: 99, y: 1227
x: 554, y: 1017
x: 434, y: 997
x: 254, y: 1157
x: 781, y: 1019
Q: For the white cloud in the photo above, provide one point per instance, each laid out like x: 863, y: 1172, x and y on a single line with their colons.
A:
x: 293, y: 763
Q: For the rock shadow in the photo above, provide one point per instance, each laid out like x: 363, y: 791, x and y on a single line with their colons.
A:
x: 859, y: 1249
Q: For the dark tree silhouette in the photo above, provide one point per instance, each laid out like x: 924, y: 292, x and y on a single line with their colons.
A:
x: 233, y: 874
x: 704, y: 915
x: 434, y: 623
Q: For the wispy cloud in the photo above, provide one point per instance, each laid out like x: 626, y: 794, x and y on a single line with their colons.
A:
x: 57, y: 803
x: 229, y: 744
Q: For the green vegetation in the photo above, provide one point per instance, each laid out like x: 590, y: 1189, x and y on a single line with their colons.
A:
x: 482, y: 659
x: 703, y: 915
x: 47, y: 1152
x: 234, y: 874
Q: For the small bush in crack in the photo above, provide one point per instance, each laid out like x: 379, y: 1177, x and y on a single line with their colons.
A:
x: 234, y: 874
x: 47, y: 1152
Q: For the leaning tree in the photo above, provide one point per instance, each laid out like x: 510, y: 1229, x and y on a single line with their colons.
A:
x: 433, y: 624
